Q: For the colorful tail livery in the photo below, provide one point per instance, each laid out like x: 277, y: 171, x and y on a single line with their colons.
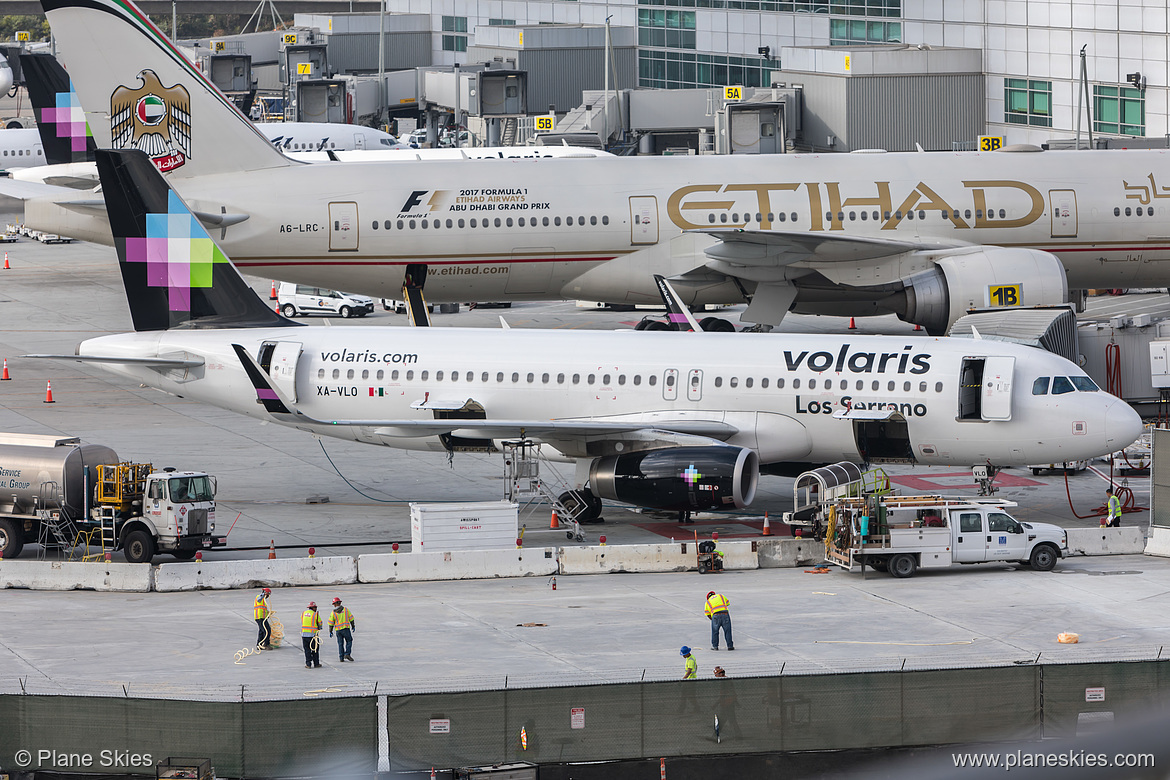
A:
x: 174, y: 274
x: 65, y: 135
x: 140, y: 92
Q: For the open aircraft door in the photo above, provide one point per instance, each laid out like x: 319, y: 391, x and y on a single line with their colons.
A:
x: 279, y: 359
x: 643, y: 219
x: 997, y: 388
x: 343, y: 226
x: 881, y: 435
x: 1064, y: 213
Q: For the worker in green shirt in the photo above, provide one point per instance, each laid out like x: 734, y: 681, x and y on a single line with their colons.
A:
x: 1113, y: 505
x: 692, y: 666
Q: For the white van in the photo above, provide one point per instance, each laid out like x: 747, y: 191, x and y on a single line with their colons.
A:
x: 305, y: 299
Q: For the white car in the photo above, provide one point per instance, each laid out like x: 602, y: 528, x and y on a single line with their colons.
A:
x: 303, y: 299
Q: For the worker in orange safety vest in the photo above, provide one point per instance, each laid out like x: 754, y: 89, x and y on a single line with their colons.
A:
x: 310, y: 627
x: 261, y: 613
x: 716, y: 611
x: 341, y: 620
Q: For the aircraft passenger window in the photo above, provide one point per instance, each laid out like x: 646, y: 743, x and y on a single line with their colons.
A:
x: 1040, y: 386
x: 812, y: 384
x: 828, y: 216
x: 875, y: 216
x: 864, y: 215
x: 454, y: 376
x: 409, y: 375
x: 531, y: 377
x: 898, y: 214
x: 759, y: 217
x: 1061, y: 385
x: 764, y: 383
x: 887, y: 216
x: 905, y: 387
x: 568, y: 220
x: 499, y: 376
x: 938, y: 387
x: 498, y: 221
x: 515, y: 377
x: 735, y: 216
x: 460, y: 223
x: 1127, y: 211
x: 890, y: 386
x: 365, y: 373
x: 375, y: 224
x: 970, y: 523
x: 719, y: 381
x: 400, y: 224
x: 910, y: 214
x: 336, y: 373
x: 978, y: 213
x: 438, y: 376
x: 450, y: 224
x: 423, y: 224
x: 921, y: 214
x: 544, y: 220
x: 621, y: 379
x: 349, y: 374
x: 652, y: 380
x: 560, y: 379
x: 386, y: 224
x: 544, y: 378
x: 780, y: 384
x: 792, y: 217
x: 637, y: 379
x: 746, y: 383
x: 840, y: 216
x: 991, y: 213
x: 520, y: 222
x: 593, y: 220
x: 711, y: 217
x: 876, y: 384
x: 411, y: 224
x: 482, y: 377
x: 844, y: 384
x: 781, y: 216
x: 860, y: 383
x: 473, y: 224
x: 605, y: 380
x: 1084, y: 384
x: 734, y: 381
x: 922, y: 387
x: 5, y: 152
x: 394, y: 375
x: 557, y: 221
x: 507, y: 222
x: 320, y: 373
x: 1002, y: 214
x: 722, y: 217
x: 852, y: 216
x: 591, y: 379
x: 581, y: 221
x: 604, y: 220
x: 423, y: 375
x: 576, y: 379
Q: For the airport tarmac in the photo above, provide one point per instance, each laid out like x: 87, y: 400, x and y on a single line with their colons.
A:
x: 54, y: 296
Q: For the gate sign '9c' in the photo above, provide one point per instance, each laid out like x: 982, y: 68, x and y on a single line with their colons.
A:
x: 545, y: 124
x: 990, y: 143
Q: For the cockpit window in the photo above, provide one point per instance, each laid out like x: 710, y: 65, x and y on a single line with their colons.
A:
x: 1084, y: 384
x: 1040, y: 386
x: 1061, y: 385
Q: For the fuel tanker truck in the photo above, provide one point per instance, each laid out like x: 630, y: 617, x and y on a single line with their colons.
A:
x: 57, y: 492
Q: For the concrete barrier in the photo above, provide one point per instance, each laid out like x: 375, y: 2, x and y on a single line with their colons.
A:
x: 1128, y: 540
x: 1159, y: 542
x: 281, y: 572
x: 457, y: 565
x: 789, y: 552
x: 74, y: 575
x: 673, y: 556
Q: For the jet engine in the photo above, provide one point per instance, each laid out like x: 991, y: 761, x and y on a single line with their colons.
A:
x: 976, y: 279
x: 679, y: 478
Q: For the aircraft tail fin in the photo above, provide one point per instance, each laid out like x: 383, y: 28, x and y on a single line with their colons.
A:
x: 65, y: 133
x: 677, y: 314
x: 141, y: 92
x: 174, y: 274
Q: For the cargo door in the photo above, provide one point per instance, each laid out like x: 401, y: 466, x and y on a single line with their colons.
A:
x: 359, y: 141
x: 695, y: 385
x: 283, y: 366
x: 643, y: 219
x: 529, y: 273
x: 343, y: 227
x: 997, y: 388
x: 670, y: 384
x: 969, y: 535
x: 1064, y: 213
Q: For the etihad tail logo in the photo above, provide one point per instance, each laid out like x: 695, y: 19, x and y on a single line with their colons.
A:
x: 154, y: 119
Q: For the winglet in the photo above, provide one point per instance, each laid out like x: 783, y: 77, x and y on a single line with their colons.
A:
x: 677, y: 314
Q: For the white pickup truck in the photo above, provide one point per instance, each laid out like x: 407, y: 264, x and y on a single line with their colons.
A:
x: 899, y: 534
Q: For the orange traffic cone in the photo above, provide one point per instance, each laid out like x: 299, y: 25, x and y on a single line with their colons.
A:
x: 852, y: 324
x: 4, y: 377
x: 767, y: 526
x: 49, y: 392
x: 277, y: 307
x: 6, y: 266
x: 272, y: 550
x: 272, y: 295
x: 917, y: 327
x: 553, y: 522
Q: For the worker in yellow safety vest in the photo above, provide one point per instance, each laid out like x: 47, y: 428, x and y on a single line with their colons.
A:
x: 1113, y: 507
x: 716, y: 611
x: 261, y: 613
x: 341, y: 621
x: 310, y: 626
x: 691, y: 667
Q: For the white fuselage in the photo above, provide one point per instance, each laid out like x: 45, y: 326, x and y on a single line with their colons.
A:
x: 780, y: 392
x: 326, y: 136
x: 480, y: 226
x: 21, y: 148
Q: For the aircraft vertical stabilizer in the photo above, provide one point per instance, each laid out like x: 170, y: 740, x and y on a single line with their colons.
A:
x: 141, y: 92
x: 65, y: 133
x: 174, y: 274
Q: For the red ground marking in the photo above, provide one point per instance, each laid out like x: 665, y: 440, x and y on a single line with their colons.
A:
x: 959, y: 479
x: 738, y: 529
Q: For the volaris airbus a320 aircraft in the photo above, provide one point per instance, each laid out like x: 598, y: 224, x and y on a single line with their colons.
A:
x: 679, y: 421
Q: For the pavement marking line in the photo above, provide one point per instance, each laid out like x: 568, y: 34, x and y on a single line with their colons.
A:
x: 900, y: 644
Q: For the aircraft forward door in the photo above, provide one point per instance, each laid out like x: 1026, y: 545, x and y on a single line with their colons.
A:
x: 643, y: 219
x: 343, y: 227
x: 997, y: 388
x: 1064, y: 213
x: 279, y: 359
x: 695, y: 385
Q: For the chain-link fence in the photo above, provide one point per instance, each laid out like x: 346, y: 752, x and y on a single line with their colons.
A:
x: 359, y: 730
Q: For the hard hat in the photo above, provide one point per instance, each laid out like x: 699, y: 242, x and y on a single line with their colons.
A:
x: 312, y: 605
x: 712, y: 593
x: 267, y: 592
x: 684, y: 650
x: 336, y: 600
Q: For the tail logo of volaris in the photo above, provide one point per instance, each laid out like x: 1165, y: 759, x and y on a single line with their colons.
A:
x: 153, y: 118
x: 177, y: 251
x: 69, y: 119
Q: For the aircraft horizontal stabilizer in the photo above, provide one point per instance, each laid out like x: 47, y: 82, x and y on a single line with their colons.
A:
x: 152, y: 362
x: 24, y: 190
x: 779, y: 248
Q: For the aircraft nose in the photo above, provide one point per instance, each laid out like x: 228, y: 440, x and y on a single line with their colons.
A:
x: 1122, y: 425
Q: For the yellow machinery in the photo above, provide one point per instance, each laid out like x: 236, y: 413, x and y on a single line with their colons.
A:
x: 122, y: 484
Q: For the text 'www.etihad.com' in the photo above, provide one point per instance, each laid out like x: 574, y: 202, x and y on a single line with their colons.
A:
x: 1069, y: 758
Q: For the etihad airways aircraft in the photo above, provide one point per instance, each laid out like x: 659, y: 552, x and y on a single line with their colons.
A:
x: 926, y: 236
x: 678, y: 421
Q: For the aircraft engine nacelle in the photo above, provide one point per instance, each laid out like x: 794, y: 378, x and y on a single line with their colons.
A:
x: 983, y: 278
x: 679, y: 478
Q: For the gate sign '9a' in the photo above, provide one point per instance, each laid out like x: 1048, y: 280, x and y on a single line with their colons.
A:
x: 545, y: 124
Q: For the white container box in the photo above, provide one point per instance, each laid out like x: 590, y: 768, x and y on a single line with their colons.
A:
x: 474, y: 525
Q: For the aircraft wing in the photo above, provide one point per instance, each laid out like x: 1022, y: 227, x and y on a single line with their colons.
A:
x: 24, y: 190
x: 779, y: 248
x: 152, y: 362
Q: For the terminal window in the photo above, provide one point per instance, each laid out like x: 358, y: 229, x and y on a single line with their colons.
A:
x: 454, y: 24
x: 848, y: 31
x: 666, y: 27
x: 1027, y: 102
x: 685, y: 69
x: 1120, y: 110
